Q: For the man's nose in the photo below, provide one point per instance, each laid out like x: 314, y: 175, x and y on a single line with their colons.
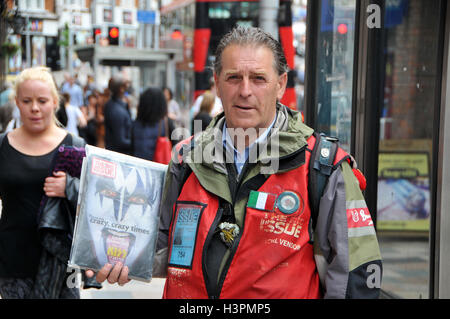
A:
x: 245, y: 88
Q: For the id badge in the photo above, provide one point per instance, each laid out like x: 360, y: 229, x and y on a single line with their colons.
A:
x: 184, y: 236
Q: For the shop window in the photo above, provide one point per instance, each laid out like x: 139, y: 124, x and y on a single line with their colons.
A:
x: 411, y: 77
x: 334, y: 74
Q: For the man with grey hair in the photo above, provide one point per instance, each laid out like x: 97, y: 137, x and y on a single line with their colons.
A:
x: 248, y: 226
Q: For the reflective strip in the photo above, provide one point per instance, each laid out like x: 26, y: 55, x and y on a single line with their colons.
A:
x: 352, y: 204
x: 361, y: 231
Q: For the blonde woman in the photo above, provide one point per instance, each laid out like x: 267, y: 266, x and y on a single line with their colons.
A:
x: 26, y: 155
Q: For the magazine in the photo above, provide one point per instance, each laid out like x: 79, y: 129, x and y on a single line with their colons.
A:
x: 118, y: 212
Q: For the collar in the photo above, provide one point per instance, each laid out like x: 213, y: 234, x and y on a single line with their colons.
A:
x: 228, y: 142
x: 241, y: 157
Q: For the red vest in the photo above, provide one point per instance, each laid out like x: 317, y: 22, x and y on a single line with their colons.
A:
x: 274, y: 258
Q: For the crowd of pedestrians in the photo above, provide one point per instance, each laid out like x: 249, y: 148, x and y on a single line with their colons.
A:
x: 114, y: 118
x: 36, y: 118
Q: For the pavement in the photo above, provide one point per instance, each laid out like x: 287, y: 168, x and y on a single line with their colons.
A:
x: 133, y: 290
x: 405, y: 273
x: 405, y: 266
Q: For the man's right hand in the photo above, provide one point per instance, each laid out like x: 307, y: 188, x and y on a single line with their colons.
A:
x: 117, y: 274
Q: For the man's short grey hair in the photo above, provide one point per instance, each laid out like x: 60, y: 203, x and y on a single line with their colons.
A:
x: 243, y: 36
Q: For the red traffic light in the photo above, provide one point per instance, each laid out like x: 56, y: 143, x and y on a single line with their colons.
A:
x: 342, y: 28
x: 97, y: 31
x: 176, y: 35
x: 114, y: 32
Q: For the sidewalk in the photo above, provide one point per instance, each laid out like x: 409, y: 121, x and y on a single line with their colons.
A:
x: 132, y: 290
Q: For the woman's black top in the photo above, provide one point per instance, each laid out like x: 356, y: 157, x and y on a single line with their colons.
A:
x: 21, y: 189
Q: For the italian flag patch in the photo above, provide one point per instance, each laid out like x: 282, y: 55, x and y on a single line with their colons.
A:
x: 262, y: 201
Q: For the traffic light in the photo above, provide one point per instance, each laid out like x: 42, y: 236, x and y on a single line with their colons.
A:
x: 342, y: 34
x: 113, y: 35
x: 96, y: 33
x: 342, y: 28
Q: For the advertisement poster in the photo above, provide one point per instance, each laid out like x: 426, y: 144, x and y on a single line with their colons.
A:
x: 403, y: 191
x: 118, y: 212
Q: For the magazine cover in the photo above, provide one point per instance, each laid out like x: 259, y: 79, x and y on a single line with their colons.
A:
x: 118, y: 212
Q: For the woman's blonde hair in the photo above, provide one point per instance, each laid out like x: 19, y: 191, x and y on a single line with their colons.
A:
x: 40, y: 73
x: 207, y: 102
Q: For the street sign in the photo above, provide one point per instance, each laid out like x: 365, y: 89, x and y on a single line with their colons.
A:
x: 147, y: 17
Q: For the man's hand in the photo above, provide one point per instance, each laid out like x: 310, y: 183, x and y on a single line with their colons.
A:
x: 55, y: 186
x: 118, y: 274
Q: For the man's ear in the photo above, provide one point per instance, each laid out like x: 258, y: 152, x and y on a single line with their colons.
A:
x: 216, y: 81
x: 282, y: 82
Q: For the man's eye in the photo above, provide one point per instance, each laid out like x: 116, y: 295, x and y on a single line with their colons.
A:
x: 260, y: 79
x: 233, y: 77
x: 109, y: 193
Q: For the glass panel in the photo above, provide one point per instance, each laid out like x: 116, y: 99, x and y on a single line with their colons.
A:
x: 335, y: 69
x: 406, y: 128
x: 299, y: 9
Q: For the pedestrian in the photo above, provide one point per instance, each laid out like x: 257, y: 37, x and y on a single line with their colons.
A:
x: 89, y: 132
x: 150, y: 123
x: 217, y: 102
x: 74, y: 90
x: 203, y: 117
x: 247, y: 226
x: 6, y: 115
x: 75, y: 117
x: 173, y: 108
x: 26, y: 155
x: 89, y: 89
x: 6, y: 94
x: 117, y: 118
x: 103, y: 98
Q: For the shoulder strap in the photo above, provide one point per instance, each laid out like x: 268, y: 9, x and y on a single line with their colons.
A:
x: 320, y: 168
x: 2, y: 136
x: 77, y: 141
x: 166, y: 127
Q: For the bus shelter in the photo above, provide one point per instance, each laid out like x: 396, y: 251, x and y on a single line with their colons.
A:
x: 156, y: 66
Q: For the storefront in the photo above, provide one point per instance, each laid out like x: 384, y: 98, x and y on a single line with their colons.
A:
x: 38, y: 43
x: 376, y: 77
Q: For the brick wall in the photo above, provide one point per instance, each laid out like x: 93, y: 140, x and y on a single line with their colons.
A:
x: 412, y: 51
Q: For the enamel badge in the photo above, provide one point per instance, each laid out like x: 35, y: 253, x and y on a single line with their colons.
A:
x: 288, y: 202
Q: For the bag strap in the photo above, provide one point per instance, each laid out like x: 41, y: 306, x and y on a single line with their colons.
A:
x: 166, y: 127
x: 320, y: 169
x: 77, y: 141
x: 2, y: 136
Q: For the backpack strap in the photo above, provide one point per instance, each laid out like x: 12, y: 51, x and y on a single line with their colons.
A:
x: 2, y: 136
x: 320, y: 168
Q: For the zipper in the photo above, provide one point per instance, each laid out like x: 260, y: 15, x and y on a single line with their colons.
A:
x: 234, y: 248
x: 238, y: 239
x: 210, y: 235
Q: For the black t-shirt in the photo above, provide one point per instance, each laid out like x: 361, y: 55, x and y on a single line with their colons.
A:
x: 21, y: 189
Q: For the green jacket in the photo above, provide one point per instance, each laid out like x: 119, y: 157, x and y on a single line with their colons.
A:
x: 344, y: 260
